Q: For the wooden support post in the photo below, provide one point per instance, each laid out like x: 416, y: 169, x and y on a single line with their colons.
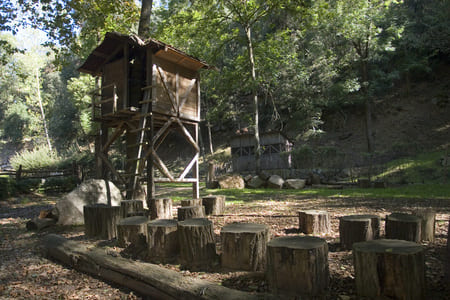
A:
x: 391, y: 269
x: 244, y: 246
x: 298, y: 265
x: 195, y: 185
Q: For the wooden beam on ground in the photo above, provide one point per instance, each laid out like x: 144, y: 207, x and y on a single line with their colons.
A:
x: 147, y: 279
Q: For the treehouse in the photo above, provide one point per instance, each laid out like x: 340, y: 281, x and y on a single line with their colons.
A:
x: 148, y: 91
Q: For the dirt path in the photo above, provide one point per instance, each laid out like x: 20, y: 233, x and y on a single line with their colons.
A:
x: 25, y: 274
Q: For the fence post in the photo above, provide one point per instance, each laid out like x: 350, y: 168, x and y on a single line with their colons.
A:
x: 19, y: 173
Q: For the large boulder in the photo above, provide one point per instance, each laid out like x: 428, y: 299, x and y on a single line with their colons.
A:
x: 275, y: 182
x: 296, y: 184
x: 256, y: 182
x: 70, y: 207
x: 231, y: 182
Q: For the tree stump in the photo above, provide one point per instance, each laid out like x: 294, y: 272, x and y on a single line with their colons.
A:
x: 403, y: 227
x: 298, y: 265
x: 358, y: 228
x: 214, y: 205
x: 100, y: 220
x: 132, y: 230
x: 197, y: 244
x: 190, y: 212
x: 314, y: 222
x: 191, y: 202
x: 392, y: 269
x: 161, y: 208
x: 162, y: 240
x: 427, y: 229
x: 244, y: 246
x: 131, y: 208
x: 448, y: 252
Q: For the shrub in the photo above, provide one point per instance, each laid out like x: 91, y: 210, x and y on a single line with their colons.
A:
x: 38, y: 158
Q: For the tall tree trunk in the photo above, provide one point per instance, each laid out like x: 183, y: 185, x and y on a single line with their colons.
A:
x: 248, y: 34
x: 144, y: 20
x: 38, y: 90
x: 368, y: 105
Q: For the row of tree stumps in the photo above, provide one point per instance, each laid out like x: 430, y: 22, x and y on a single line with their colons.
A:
x: 393, y: 267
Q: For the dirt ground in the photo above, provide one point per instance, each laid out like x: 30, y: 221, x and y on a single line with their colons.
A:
x: 26, y: 274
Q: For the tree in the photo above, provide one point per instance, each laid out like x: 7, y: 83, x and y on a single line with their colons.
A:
x: 144, y: 19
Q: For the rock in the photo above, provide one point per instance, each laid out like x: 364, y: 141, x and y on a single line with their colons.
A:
x: 247, y: 178
x: 231, y: 182
x: 256, y: 182
x: 296, y: 184
x: 264, y: 175
x: 275, y: 182
x: 70, y: 207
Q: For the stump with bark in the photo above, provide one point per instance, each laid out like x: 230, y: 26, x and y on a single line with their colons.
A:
x: 197, y: 244
x: 160, y: 208
x: 191, y: 202
x: 162, y: 241
x: 314, y: 222
x: 244, y: 246
x: 190, y: 212
x: 403, y: 227
x: 358, y: 228
x: 214, y: 205
x: 131, y: 208
x: 298, y: 265
x: 131, y: 230
x: 100, y: 220
x: 428, y: 218
x: 391, y: 269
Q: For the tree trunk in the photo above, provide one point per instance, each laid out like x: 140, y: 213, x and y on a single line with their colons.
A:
x: 197, y: 244
x: 160, y: 208
x: 149, y: 280
x: 132, y: 230
x: 162, y: 240
x: 248, y: 34
x: 190, y: 212
x: 358, y: 228
x: 298, y: 266
x: 244, y: 246
x: 38, y: 93
x: 144, y: 19
x: 403, y: 227
x: 100, y: 220
x: 391, y: 269
x: 314, y: 222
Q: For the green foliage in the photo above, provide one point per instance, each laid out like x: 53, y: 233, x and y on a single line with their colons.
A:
x: 36, y: 159
x: 7, y: 187
x: 15, y: 122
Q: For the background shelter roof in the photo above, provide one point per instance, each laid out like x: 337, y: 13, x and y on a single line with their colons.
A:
x: 113, y: 44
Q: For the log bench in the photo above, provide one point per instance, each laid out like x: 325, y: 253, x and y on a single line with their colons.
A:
x: 244, y: 246
x: 391, y: 269
x: 298, y: 266
x: 402, y: 226
x: 197, y: 244
x: 314, y: 222
x: 358, y: 228
x: 162, y: 241
x: 214, y: 205
x: 100, y: 220
x: 131, y: 230
x: 190, y: 212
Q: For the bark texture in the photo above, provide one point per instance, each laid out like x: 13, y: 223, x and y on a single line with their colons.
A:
x: 162, y: 240
x: 391, y: 269
x: 100, y: 220
x: 149, y: 280
x: 191, y: 202
x: 428, y: 218
x: 190, y: 212
x: 244, y: 246
x: 197, y: 244
x: 131, y: 230
x: 214, y: 205
x: 314, y: 222
x: 298, y: 265
x: 358, y: 228
x: 131, y: 208
x: 161, y: 208
x: 403, y: 227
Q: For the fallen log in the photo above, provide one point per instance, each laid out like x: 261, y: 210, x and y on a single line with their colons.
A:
x: 144, y: 278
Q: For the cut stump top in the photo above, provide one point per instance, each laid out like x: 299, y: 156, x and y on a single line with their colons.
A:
x: 358, y: 217
x: 297, y: 242
x: 163, y: 223
x: 313, y: 212
x: 137, y: 220
x: 402, y: 217
x: 388, y: 246
x: 244, y: 228
x: 195, y: 222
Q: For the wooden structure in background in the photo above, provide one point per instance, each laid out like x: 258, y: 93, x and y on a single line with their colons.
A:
x: 272, y: 145
x: 148, y: 90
